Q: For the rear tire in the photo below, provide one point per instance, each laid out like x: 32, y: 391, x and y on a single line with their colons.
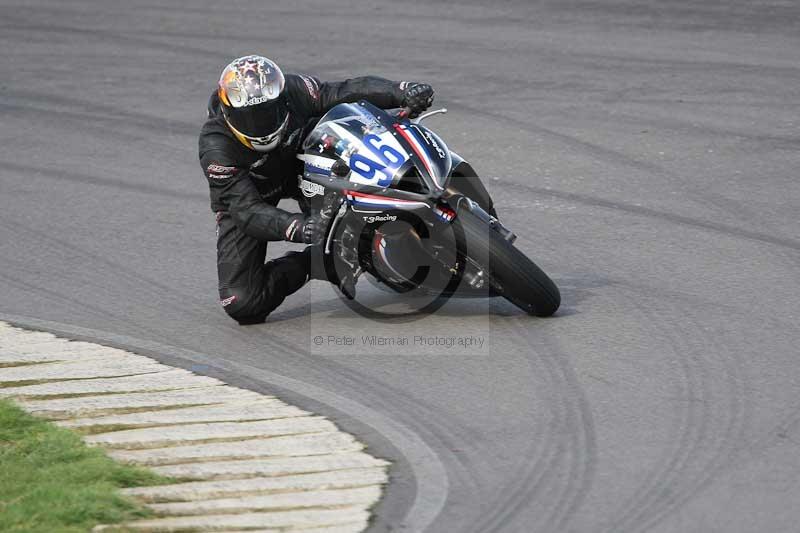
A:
x: 511, y: 274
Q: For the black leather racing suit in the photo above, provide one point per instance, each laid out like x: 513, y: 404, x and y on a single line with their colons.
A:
x: 246, y: 186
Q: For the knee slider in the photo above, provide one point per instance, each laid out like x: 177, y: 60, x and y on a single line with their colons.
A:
x: 239, y: 306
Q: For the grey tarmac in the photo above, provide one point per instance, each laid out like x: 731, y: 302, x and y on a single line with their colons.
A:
x: 644, y: 151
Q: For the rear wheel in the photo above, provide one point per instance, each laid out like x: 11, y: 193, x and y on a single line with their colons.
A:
x: 510, y: 273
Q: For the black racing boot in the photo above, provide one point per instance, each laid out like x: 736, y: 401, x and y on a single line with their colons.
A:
x: 317, y: 270
x: 316, y: 267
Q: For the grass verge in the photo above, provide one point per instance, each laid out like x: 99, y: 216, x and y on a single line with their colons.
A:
x: 51, y: 481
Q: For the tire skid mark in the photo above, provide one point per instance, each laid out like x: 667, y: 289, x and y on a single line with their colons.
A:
x: 679, y: 478
x: 584, y: 448
x: 415, y: 413
x: 442, y: 431
x: 559, y: 474
x: 21, y: 24
x: 160, y: 292
x: 697, y: 400
x: 691, y: 300
x: 687, y: 427
x: 779, y: 432
x: 619, y: 158
x: 567, y: 471
x: 101, y: 111
x: 724, y: 229
x: 141, y: 188
x: 581, y: 441
x: 727, y: 447
x: 100, y: 125
x: 569, y: 447
x: 690, y: 127
x: 157, y: 289
x: 597, y: 150
x: 72, y: 302
x: 532, y: 472
x: 107, y: 123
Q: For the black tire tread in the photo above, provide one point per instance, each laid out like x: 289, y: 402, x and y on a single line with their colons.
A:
x: 511, y: 273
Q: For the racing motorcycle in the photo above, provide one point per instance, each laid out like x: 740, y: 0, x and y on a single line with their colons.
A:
x: 411, y: 212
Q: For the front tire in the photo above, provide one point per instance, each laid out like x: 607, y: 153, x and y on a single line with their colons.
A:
x: 511, y: 274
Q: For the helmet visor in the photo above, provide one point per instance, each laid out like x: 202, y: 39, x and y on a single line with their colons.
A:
x: 260, y: 120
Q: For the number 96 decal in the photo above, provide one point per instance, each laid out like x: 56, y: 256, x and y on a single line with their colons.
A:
x: 387, y: 157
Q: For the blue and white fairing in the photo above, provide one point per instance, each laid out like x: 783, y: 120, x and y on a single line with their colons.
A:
x: 373, y: 150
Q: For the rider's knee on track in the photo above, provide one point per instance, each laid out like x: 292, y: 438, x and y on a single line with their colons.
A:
x: 241, y: 306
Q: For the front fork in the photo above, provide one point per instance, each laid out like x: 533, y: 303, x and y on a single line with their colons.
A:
x: 347, y: 255
x: 459, y: 201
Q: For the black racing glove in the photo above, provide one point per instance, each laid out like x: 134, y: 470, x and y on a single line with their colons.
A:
x: 311, y: 229
x: 417, y: 98
x: 305, y: 229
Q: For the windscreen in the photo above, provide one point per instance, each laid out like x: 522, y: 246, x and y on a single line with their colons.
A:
x: 375, y: 148
x: 350, y: 132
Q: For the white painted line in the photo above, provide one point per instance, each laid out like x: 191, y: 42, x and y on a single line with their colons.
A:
x: 257, y: 463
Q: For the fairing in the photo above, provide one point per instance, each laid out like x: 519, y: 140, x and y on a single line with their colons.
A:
x: 376, y: 149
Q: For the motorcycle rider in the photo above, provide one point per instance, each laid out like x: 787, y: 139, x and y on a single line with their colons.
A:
x: 257, y: 120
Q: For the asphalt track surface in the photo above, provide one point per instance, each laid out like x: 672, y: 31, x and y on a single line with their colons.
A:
x: 645, y: 152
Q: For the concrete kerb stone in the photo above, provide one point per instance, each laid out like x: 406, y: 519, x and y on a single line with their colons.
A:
x: 253, y: 462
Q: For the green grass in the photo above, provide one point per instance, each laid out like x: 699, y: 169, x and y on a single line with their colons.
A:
x: 50, y: 481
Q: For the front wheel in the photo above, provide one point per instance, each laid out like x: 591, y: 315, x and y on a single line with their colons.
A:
x: 510, y: 273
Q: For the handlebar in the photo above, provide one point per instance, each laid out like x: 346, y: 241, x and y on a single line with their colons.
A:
x: 406, y: 111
